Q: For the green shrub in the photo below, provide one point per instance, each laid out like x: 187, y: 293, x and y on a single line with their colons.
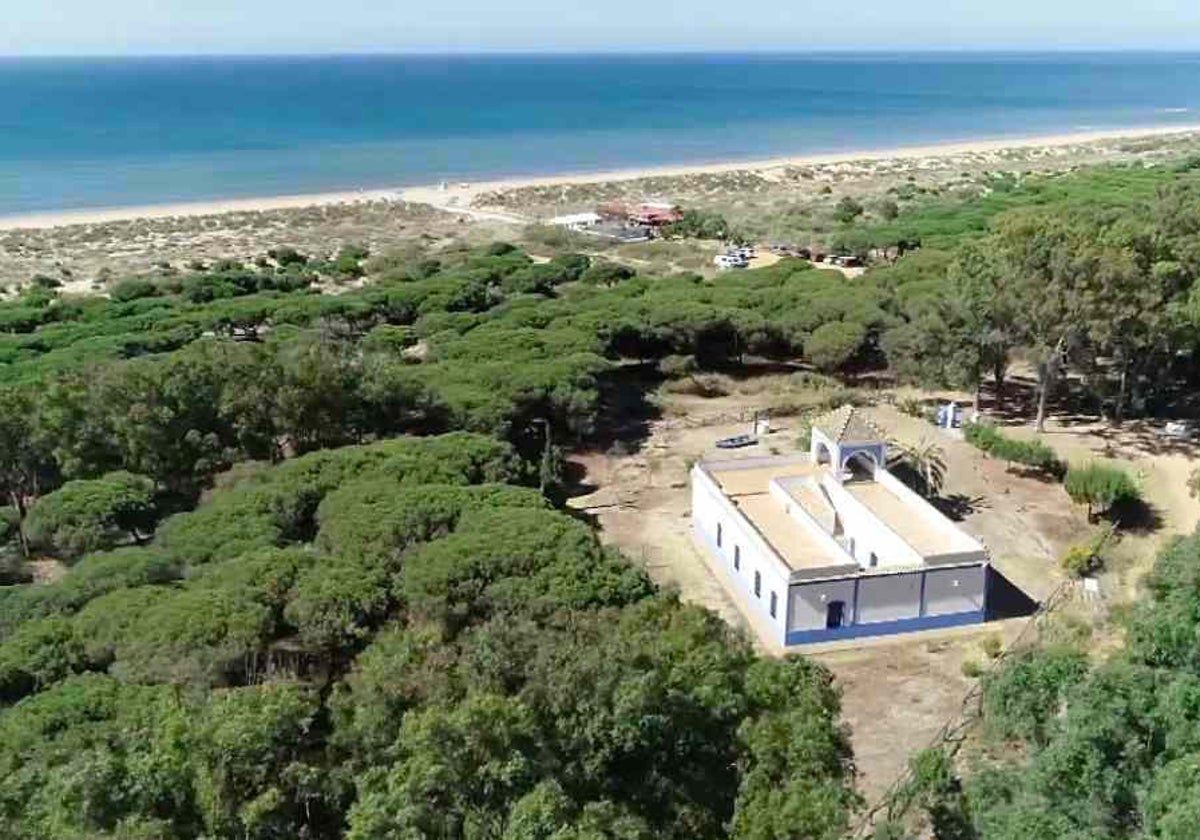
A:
x: 1023, y: 696
x: 285, y: 255
x: 981, y: 435
x: 133, y: 289
x: 701, y: 224
x: 1100, y: 487
x: 972, y: 669
x: 1081, y: 559
x: 804, y: 438
x: 913, y: 407
x: 9, y: 521
x: 707, y: 385
x: 847, y: 210
x: 1032, y: 454
x: 604, y: 273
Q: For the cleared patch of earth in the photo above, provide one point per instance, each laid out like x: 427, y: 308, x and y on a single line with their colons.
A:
x: 898, y: 692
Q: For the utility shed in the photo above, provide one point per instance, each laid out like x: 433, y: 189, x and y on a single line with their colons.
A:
x: 831, y: 545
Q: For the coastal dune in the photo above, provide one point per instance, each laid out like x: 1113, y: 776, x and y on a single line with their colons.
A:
x: 460, y: 197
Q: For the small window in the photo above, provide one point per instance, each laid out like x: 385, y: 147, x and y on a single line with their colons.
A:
x: 737, y: 557
x: 718, y: 535
x: 774, y: 604
x: 874, y: 560
x: 757, y: 585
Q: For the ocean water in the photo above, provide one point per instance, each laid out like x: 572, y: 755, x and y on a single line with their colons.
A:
x: 78, y: 133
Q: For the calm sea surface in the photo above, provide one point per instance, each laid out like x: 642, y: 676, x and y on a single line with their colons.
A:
x: 108, y: 132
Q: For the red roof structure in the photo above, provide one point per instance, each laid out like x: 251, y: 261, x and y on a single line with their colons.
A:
x: 657, y: 215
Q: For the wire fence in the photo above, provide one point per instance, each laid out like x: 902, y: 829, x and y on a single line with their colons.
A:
x: 897, y: 801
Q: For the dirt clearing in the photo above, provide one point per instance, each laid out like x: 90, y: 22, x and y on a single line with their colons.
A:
x: 897, y: 692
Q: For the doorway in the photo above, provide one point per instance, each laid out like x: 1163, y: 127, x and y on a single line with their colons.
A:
x: 835, y: 615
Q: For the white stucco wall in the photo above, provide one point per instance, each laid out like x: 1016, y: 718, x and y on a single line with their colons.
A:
x: 955, y: 590
x: 889, y: 598
x: 711, y: 508
x: 868, y: 532
x: 879, y: 598
x: 809, y: 603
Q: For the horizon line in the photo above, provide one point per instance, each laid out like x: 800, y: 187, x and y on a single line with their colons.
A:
x: 624, y: 52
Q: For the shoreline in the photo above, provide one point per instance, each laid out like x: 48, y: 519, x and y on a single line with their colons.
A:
x: 458, y: 197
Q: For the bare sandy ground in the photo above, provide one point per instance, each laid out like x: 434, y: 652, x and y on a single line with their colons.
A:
x: 101, y: 215
x: 460, y: 197
x: 468, y: 194
x: 897, y: 693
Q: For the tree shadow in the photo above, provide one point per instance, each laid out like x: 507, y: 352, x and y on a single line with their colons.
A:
x: 958, y: 506
x: 1006, y: 599
x: 1136, y: 516
x: 13, y: 571
x: 1144, y: 436
x: 573, y: 481
x: 1035, y: 474
x: 1072, y: 404
x: 912, y: 479
x: 625, y: 415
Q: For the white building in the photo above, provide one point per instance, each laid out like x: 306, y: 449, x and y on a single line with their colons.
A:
x: 831, y: 545
x: 576, y: 221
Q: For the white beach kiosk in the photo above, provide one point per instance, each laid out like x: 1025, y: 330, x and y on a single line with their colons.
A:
x: 831, y: 545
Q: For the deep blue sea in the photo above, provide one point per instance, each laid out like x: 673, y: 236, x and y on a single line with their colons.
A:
x: 107, y: 132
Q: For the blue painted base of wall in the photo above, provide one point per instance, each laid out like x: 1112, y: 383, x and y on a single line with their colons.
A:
x: 885, y: 628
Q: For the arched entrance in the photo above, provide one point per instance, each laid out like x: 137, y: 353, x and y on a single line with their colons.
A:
x: 861, y: 466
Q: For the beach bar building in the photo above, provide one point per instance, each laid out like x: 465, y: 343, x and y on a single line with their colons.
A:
x: 830, y: 545
x: 576, y: 221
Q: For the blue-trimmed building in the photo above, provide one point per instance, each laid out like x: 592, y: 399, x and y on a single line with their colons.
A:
x: 831, y: 545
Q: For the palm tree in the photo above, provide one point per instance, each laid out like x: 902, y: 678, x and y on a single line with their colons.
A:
x: 925, y: 459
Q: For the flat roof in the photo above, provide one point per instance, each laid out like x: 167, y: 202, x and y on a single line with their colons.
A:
x: 898, y: 514
x: 747, y: 484
x: 792, y: 542
x: 807, y: 496
x: 754, y: 475
x: 574, y: 218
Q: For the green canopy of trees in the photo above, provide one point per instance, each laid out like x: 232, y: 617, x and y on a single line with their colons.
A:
x: 1104, y: 750
x: 396, y: 639
x: 87, y: 515
x: 359, y: 619
x: 1091, y: 275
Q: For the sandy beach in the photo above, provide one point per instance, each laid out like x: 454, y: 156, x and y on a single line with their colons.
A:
x: 459, y: 197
